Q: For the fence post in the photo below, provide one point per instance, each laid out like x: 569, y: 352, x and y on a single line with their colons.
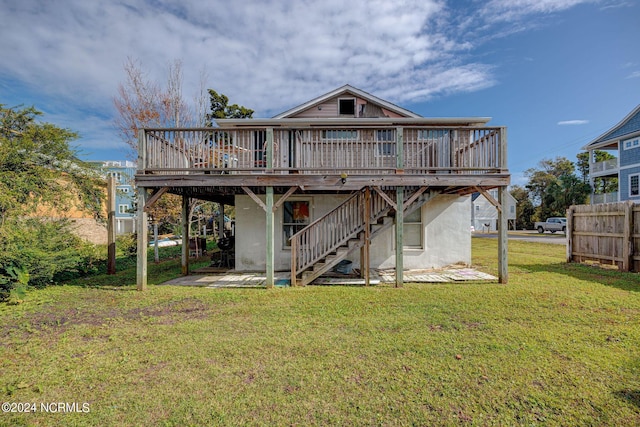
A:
x: 570, y: 233
x: 627, y: 243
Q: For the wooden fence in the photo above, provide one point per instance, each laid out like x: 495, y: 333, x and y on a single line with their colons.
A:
x: 608, y: 233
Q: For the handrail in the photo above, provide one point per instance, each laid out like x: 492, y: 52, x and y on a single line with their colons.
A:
x: 327, y: 233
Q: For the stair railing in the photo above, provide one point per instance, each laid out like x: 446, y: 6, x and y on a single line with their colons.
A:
x: 334, y: 229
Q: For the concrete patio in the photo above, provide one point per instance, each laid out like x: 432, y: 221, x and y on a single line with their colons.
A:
x: 218, y: 278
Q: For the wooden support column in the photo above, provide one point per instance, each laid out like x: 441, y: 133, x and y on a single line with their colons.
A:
x: 399, y: 209
x: 503, y: 240
x: 269, y: 238
x: 111, y: 225
x: 399, y: 237
x: 141, y: 269
x: 365, y: 263
x: 185, y: 235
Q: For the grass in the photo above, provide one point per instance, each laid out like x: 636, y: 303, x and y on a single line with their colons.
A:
x: 556, y: 346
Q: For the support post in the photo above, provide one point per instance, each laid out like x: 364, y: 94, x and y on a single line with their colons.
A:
x: 141, y: 268
x: 503, y: 245
x: 185, y: 235
x: 269, y: 237
x: 399, y: 236
x: 111, y: 225
x: 365, y: 260
x: 221, y: 222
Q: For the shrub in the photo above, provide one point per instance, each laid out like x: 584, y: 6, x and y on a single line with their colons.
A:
x: 46, y: 250
x: 127, y: 244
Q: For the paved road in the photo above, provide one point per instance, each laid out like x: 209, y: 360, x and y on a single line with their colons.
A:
x: 528, y: 236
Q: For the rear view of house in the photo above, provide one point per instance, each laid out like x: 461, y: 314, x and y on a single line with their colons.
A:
x: 345, y: 176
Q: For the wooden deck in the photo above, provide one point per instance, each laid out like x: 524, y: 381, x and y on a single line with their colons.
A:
x: 213, y: 163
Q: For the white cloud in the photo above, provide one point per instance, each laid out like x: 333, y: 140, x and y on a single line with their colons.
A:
x: 267, y: 55
x: 634, y: 75
x: 572, y: 122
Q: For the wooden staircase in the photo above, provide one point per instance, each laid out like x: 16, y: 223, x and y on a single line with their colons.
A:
x: 328, y: 240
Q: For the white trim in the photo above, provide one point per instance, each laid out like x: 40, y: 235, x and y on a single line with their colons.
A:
x: 633, y: 176
x: 595, y: 144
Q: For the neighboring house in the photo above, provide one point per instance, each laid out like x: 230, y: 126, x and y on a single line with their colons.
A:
x: 123, y: 172
x: 484, y: 214
x: 345, y: 176
x: 623, y: 141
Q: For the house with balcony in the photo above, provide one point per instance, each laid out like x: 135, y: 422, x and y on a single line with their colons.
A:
x: 623, y: 141
x: 344, y: 176
x: 123, y: 171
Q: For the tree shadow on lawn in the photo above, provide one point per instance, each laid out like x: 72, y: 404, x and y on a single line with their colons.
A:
x: 593, y: 273
x: 631, y: 396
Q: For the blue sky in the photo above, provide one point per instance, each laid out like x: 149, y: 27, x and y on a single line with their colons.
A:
x: 557, y: 73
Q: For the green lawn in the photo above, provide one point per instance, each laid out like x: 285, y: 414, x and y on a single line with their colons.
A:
x: 559, y: 345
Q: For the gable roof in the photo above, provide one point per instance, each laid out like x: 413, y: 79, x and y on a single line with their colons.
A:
x: 347, y: 89
x: 628, y: 126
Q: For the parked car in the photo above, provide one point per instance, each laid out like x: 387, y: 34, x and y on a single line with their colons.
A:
x: 552, y: 224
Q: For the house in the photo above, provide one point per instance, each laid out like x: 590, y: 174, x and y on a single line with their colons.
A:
x: 623, y: 141
x: 123, y: 172
x: 344, y: 176
x: 484, y: 214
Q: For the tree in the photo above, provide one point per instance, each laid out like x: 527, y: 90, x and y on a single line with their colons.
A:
x: 144, y: 103
x: 553, y: 187
x: 34, y: 157
x: 220, y: 109
x: 524, y: 207
x: 601, y: 185
x: 38, y: 167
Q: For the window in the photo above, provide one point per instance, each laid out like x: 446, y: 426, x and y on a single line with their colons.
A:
x: 295, y: 217
x: 512, y: 209
x: 123, y: 189
x: 432, y: 135
x: 339, y: 134
x: 123, y: 209
x: 631, y: 143
x: 347, y: 107
x: 634, y: 185
x: 413, y: 230
x: 116, y: 175
x: 386, y: 139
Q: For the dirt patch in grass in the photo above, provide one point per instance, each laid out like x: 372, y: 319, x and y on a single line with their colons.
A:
x: 54, y: 320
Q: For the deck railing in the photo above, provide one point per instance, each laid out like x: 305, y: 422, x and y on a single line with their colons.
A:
x: 606, y: 166
x: 352, y: 150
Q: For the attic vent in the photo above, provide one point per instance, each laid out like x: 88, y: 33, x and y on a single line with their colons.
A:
x: 347, y: 107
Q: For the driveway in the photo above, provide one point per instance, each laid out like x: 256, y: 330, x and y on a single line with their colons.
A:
x: 528, y: 236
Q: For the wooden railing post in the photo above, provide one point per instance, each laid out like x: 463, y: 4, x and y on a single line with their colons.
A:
x: 400, y: 149
x: 503, y: 149
x: 269, y: 148
x: 294, y: 261
x: 142, y: 150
